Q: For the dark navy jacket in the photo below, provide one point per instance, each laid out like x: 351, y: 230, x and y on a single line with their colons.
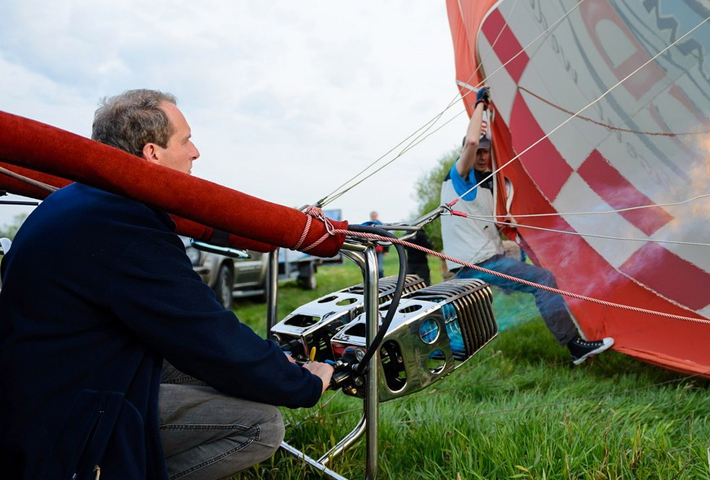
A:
x: 96, y: 291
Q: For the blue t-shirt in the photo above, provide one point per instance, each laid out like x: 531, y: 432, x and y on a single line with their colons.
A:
x: 462, y: 185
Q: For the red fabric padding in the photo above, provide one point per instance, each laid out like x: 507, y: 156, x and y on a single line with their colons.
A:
x: 203, y: 233
x: 37, y: 146
x: 184, y: 226
x: 20, y: 187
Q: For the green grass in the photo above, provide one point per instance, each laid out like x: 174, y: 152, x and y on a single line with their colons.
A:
x: 516, y: 410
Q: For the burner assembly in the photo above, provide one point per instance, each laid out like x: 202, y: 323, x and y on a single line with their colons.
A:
x: 434, y: 331
x: 313, y: 325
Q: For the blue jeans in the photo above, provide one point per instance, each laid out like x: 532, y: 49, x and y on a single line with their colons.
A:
x: 380, y: 264
x: 552, y: 306
x: 208, y: 435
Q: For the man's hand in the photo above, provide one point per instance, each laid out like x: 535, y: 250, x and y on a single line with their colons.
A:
x: 483, y: 96
x: 322, y: 371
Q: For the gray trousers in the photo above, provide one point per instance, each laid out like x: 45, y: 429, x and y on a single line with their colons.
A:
x: 208, y: 435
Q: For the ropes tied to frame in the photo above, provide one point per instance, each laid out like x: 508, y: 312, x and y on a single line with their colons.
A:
x: 371, y: 236
x: 311, y: 213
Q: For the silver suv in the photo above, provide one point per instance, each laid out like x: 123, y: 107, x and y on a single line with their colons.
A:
x: 4, y: 248
x: 246, y: 276
x: 217, y: 271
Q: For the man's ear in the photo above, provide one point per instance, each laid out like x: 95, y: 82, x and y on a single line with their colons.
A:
x: 150, y: 153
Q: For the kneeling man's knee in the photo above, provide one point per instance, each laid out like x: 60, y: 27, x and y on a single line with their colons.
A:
x: 272, y: 431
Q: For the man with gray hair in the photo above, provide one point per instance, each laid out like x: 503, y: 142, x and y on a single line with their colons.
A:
x: 117, y: 361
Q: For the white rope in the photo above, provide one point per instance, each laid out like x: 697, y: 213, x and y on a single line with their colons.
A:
x: 566, y: 293
x: 605, y: 212
x: 489, y: 219
x: 418, y: 137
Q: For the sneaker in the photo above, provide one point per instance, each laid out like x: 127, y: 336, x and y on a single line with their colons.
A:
x: 582, y: 349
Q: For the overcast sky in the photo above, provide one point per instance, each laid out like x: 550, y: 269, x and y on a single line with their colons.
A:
x: 286, y: 100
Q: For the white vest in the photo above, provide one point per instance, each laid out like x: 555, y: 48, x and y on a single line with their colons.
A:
x: 468, y: 239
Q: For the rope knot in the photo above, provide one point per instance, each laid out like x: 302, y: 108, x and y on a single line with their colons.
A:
x: 311, y: 213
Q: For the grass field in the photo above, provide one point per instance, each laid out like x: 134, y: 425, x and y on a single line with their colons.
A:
x: 516, y: 410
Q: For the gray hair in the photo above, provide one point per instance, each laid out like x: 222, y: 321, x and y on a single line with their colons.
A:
x: 132, y: 119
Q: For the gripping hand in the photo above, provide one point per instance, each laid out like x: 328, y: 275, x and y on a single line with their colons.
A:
x: 483, y: 96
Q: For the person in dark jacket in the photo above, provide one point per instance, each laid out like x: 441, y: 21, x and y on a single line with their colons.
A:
x: 417, y: 262
x: 380, y: 250
x: 98, y: 295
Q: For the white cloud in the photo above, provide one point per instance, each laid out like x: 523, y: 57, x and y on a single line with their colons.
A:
x: 287, y: 100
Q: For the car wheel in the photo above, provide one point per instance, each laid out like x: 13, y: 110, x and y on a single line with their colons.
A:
x: 307, y: 277
x: 223, y: 287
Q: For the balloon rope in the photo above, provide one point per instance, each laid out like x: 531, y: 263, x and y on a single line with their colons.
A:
x: 567, y: 232
x: 341, y: 190
x: 28, y: 180
x: 423, y: 132
x: 502, y: 221
x: 608, y: 126
x: 585, y: 298
x: 605, y: 212
x: 419, y: 137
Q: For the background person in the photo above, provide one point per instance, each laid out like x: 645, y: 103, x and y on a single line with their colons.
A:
x: 380, y: 250
x: 97, y: 292
x: 478, y: 242
x: 417, y: 261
